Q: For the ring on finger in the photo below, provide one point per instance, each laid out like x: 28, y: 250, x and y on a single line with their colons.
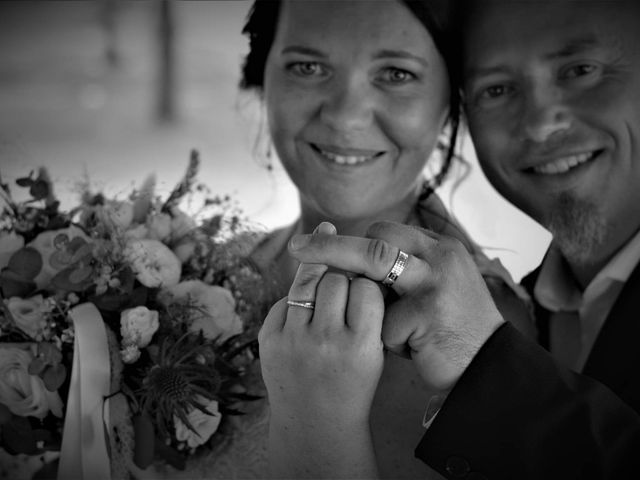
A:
x: 304, y: 304
x: 397, y: 269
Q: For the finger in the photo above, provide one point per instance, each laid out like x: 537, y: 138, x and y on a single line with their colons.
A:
x: 365, y: 308
x: 275, y: 319
x: 303, y: 288
x: 331, y: 302
x: 372, y: 257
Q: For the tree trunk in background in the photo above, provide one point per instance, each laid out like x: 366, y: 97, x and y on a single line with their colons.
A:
x: 108, y: 12
x: 166, y: 109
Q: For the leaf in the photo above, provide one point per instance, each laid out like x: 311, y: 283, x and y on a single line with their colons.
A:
x: 144, y: 440
x: 25, y: 181
x: 171, y: 456
x: 37, y: 366
x: 13, y: 286
x: 81, y: 274
x: 84, y: 251
x: 60, y: 259
x: 54, y: 377
x: 26, y: 263
x: 62, y: 281
x: 50, y: 352
x: 109, y: 302
x: 39, y: 189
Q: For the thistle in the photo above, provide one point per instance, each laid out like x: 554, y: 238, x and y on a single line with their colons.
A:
x: 182, y: 370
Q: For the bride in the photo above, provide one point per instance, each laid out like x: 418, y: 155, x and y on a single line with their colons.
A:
x: 358, y: 97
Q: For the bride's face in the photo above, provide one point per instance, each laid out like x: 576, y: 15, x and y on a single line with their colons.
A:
x: 356, y: 96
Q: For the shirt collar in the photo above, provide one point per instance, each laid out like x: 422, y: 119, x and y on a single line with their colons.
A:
x: 556, y: 288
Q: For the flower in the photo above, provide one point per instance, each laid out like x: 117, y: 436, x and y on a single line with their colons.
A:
x: 159, y: 226
x: 115, y: 213
x: 179, y: 351
x: 24, y: 394
x: 211, y: 307
x: 130, y: 353
x: 181, y: 224
x: 137, y: 326
x: 53, y: 246
x: 10, y: 242
x: 29, y: 314
x: 154, y: 264
x: 204, y: 424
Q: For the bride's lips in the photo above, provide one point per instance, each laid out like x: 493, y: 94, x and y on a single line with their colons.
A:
x: 345, y: 156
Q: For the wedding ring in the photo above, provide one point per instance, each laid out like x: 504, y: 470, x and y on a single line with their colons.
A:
x: 295, y: 303
x: 397, y: 269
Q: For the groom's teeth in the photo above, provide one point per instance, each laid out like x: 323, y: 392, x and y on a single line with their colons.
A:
x: 345, y: 159
x: 563, y: 164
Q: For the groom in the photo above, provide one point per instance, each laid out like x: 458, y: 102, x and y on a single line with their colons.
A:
x: 552, y: 96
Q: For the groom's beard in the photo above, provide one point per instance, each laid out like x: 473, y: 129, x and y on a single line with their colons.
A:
x: 578, y: 229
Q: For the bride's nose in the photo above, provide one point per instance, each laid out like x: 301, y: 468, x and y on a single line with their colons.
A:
x: 349, y: 104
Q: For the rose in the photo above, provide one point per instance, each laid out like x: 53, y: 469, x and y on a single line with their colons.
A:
x: 154, y: 264
x: 137, y: 232
x: 169, y: 227
x: 195, y: 241
x: 137, y: 326
x: 10, y: 242
x: 159, y: 226
x: 204, y: 424
x: 50, y: 247
x: 29, y: 314
x: 211, y: 308
x: 24, y: 394
x: 181, y: 224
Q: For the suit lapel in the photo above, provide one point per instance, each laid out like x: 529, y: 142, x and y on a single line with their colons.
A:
x: 613, y: 360
x: 615, y: 356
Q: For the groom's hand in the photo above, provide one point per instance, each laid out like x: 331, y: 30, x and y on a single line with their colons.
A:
x: 444, y: 312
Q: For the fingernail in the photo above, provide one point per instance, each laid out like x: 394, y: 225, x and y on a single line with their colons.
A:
x: 299, y: 241
x: 326, y: 227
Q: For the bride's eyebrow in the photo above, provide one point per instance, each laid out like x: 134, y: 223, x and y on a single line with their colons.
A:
x: 402, y: 54
x: 302, y: 50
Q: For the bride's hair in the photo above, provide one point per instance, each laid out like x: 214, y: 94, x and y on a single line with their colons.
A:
x: 435, y: 15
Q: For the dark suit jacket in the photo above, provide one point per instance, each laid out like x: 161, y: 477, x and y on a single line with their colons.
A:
x: 516, y: 414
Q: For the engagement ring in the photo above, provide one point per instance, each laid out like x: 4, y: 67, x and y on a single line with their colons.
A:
x: 295, y: 303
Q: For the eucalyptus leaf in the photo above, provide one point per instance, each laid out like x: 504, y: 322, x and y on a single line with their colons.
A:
x: 54, y: 377
x: 26, y: 263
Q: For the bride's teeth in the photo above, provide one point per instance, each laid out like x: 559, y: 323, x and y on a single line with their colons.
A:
x: 344, y: 159
x: 564, y: 164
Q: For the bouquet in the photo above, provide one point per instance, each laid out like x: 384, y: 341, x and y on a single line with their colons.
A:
x: 131, y: 301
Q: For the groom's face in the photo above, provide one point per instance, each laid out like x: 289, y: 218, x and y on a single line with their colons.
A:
x: 552, y: 94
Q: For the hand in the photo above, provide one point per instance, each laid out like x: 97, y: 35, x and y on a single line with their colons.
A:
x: 444, y: 312
x: 321, y: 368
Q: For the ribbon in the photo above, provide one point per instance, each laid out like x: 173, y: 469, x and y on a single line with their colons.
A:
x: 84, y: 453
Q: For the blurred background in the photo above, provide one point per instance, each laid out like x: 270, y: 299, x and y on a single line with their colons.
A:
x: 111, y: 91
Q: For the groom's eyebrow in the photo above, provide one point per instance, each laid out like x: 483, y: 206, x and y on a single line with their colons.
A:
x: 574, y: 47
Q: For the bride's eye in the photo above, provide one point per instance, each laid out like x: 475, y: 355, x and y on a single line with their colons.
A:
x: 306, y: 69
x: 397, y: 76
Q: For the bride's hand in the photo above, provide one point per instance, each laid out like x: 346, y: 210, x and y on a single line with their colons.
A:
x: 444, y: 312
x: 324, y: 363
x: 321, y: 367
